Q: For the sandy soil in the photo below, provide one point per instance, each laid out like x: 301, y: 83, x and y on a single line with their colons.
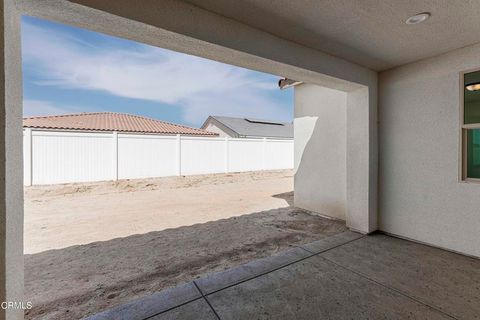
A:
x: 60, y: 216
x: 153, y: 234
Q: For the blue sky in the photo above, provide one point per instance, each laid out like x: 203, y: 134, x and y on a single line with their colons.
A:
x: 70, y: 70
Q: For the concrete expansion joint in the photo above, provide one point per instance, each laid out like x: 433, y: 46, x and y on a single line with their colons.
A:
x: 207, y: 301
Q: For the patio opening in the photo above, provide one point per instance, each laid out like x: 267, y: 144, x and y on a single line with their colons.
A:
x: 145, y: 168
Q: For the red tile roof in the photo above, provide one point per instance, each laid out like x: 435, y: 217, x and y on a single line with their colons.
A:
x: 110, y: 121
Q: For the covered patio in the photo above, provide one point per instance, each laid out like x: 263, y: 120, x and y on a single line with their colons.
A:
x: 403, y: 76
x: 346, y: 276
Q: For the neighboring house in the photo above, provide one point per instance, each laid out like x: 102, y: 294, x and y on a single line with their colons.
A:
x: 248, y: 128
x: 110, y: 122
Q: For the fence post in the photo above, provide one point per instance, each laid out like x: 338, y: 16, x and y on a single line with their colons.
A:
x: 27, y: 153
x: 264, y: 154
x: 226, y: 157
x: 179, y: 155
x: 115, y: 155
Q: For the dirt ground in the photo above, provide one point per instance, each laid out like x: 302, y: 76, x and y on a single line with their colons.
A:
x: 60, y: 216
x: 114, y: 242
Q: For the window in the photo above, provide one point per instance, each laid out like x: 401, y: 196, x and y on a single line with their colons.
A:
x: 471, y: 126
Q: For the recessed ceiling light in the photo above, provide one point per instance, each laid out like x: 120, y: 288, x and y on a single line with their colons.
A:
x: 473, y: 86
x: 418, y: 18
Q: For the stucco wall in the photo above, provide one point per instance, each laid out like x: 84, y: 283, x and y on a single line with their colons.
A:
x: 320, y: 150
x: 213, y: 128
x: 11, y: 190
x: 420, y: 194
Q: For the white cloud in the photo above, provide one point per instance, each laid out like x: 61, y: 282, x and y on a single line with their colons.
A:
x: 202, y: 87
x: 34, y: 107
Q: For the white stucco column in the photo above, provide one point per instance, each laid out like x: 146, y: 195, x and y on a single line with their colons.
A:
x: 362, y: 160
x: 11, y: 164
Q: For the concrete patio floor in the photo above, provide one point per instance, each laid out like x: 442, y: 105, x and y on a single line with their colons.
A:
x: 346, y: 276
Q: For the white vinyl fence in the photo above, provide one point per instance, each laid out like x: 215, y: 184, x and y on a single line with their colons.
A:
x: 62, y: 157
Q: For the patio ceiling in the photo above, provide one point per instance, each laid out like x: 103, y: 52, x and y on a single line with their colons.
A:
x: 371, y: 33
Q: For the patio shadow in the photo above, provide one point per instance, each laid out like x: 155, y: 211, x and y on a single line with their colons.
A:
x: 82, y: 280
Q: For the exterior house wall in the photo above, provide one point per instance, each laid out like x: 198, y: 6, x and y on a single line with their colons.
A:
x: 421, y: 196
x: 213, y: 128
x: 320, y: 150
